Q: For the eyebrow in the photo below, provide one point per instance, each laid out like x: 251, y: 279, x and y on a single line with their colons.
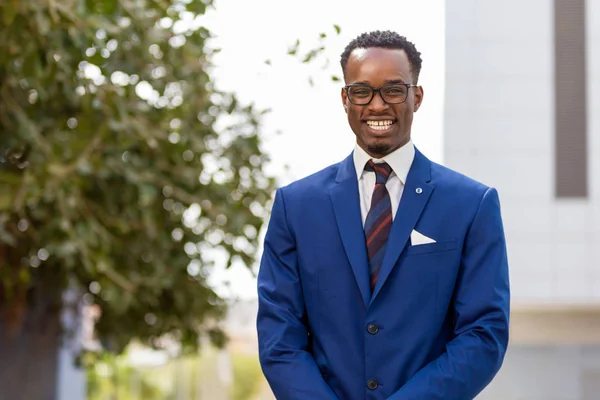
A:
x: 387, y: 82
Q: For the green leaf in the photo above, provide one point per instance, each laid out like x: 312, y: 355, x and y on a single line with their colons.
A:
x: 6, y: 236
x: 294, y: 49
x: 6, y: 199
x: 337, y: 28
x: 10, y: 178
x: 10, y: 9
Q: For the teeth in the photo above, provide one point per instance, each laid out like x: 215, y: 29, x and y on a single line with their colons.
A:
x: 380, y: 125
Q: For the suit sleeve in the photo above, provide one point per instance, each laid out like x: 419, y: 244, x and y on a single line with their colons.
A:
x: 283, y: 338
x: 481, y: 305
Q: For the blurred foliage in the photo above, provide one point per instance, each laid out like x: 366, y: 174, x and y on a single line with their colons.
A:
x: 247, y: 376
x: 124, y: 172
x: 192, y: 376
x: 113, y: 378
x: 317, y: 53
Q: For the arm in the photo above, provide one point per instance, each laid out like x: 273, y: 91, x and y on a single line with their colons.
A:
x: 481, y: 311
x: 284, y: 352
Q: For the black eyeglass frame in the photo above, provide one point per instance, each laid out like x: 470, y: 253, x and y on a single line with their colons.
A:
x: 378, y: 90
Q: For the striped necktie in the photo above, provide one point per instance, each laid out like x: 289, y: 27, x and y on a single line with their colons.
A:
x: 379, y: 219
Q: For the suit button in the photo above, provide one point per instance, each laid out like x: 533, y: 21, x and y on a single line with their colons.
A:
x: 372, y: 329
x: 372, y: 384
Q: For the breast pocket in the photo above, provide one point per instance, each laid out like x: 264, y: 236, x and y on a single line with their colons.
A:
x: 446, y: 245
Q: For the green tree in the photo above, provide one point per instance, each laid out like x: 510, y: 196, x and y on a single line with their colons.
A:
x: 120, y: 162
x: 247, y: 376
x: 114, y: 377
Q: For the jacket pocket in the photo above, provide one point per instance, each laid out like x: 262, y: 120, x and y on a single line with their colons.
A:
x: 446, y: 245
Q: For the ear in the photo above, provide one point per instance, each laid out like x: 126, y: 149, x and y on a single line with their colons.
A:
x: 418, y: 97
x: 344, y: 100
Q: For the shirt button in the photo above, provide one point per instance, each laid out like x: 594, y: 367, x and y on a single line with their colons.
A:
x: 372, y: 384
x: 372, y: 329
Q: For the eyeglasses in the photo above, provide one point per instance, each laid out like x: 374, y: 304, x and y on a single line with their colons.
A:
x: 362, y: 95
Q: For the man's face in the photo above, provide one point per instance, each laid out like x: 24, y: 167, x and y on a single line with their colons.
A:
x: 376, y: 67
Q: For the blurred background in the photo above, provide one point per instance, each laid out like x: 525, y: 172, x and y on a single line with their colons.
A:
x: 141, y: 142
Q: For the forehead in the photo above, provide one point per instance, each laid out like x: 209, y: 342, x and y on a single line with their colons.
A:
x: 377, y: 65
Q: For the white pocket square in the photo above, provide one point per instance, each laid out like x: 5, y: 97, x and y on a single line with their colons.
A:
x: 417, y: 238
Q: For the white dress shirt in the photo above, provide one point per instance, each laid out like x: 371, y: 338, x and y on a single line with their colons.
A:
x: 400, y: 160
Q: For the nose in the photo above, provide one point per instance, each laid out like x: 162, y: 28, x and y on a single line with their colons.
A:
x: 377, y: 104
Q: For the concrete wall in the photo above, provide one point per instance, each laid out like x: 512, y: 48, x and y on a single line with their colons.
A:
x: 499, y: 129
x: 575, y: 377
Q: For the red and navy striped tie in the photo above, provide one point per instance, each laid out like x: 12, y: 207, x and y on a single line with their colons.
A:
x: 379, y: 219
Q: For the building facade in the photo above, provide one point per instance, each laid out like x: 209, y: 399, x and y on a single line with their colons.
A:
x: 522, y: 114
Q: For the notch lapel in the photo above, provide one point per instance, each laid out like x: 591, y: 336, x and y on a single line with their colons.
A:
x: 345, y: 199
x: 414, y: 198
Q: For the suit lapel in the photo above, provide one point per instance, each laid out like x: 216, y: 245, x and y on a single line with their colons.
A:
x: 414, y: 198
x: 345, y: 199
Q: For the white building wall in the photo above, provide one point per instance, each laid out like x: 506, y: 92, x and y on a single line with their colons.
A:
x: 533, y: 373
x: 593, y: 65
x: 499, y: 129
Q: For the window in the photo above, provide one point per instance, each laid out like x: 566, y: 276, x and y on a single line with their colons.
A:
x: 571, y: 159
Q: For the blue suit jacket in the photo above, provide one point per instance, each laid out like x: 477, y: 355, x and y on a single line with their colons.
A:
x: 441, y: 310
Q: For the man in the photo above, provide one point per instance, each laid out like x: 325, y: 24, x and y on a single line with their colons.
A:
x: 384, y: 276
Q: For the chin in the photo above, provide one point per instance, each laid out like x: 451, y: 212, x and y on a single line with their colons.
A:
x: 381, y: 149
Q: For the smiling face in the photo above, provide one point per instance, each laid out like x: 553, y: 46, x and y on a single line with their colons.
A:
x: 381, y: 128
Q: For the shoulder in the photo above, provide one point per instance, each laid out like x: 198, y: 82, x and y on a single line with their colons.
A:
x: 445, y: 176
x: 459, y: 186
x: 318, y: 182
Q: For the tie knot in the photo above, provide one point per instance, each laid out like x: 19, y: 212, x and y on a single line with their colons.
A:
x: 382, y: 171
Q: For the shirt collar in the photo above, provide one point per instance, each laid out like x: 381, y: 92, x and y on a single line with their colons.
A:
x: 400, y: 160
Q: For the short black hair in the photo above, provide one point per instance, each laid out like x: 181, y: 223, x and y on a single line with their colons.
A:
x: 386, y: 40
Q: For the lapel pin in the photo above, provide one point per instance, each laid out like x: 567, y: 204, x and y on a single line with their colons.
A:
x: 419, y: 190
